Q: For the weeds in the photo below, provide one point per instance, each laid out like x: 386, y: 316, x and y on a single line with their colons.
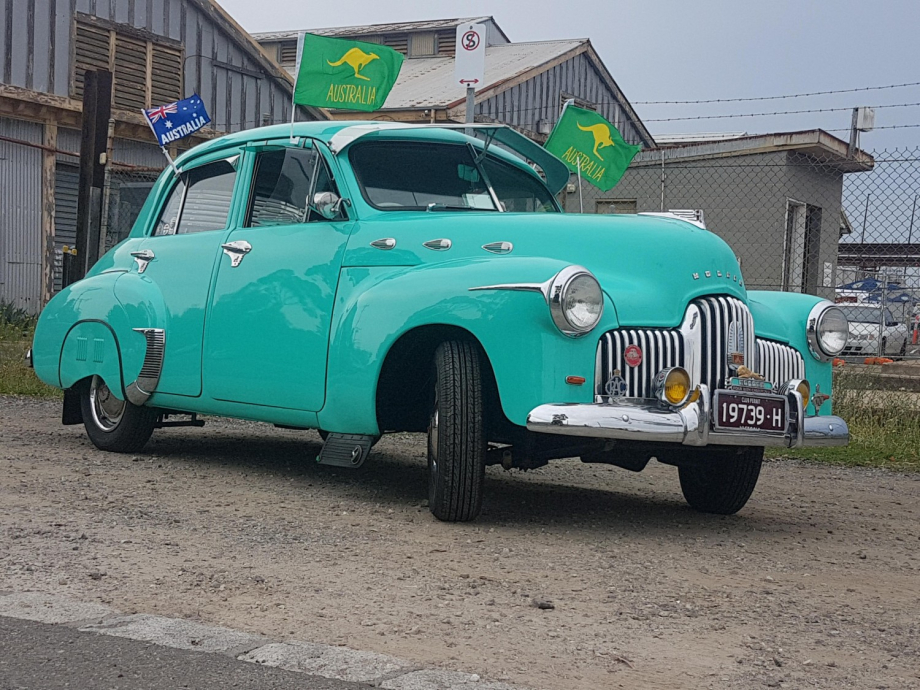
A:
x: 884, y: 424
x: 16, y: 329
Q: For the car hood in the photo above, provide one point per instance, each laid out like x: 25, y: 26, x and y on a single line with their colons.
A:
x: 650, y: 267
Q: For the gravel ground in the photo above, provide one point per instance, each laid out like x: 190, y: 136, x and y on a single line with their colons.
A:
x: 816, y: 583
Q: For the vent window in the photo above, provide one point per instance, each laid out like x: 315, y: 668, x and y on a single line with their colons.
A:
x: 131, y: 57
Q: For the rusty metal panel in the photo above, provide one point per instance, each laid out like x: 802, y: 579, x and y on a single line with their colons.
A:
x: 21, y: 222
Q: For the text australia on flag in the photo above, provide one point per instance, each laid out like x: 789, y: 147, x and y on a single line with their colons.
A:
x: 177, y: 120
x: 583, y: 139
x: 345, y: 74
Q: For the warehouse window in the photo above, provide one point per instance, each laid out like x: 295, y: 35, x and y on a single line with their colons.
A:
x: 423, y: 44
x: 147, y: 70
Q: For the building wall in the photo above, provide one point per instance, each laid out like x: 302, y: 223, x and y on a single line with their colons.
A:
x: 36, y: 53
x: 744, y: 201
x: 20, y: 218
x: 540, y: 99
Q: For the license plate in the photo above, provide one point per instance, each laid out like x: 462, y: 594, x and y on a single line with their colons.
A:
x: 750, y: 411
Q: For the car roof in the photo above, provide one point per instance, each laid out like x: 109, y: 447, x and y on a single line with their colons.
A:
x: 339, y: 135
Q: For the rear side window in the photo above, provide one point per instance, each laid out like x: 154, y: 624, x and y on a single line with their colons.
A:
x: 200, y: 201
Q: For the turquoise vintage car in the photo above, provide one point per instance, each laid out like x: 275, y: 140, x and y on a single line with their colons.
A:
x: 362, y: 278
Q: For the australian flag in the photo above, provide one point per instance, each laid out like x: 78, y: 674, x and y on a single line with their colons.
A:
x: 177, y: 120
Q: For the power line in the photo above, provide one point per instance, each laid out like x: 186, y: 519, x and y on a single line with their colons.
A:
x: 779, y: 112
x: 776, y: 98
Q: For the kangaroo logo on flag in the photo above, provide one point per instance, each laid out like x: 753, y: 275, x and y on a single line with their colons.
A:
x: 177, y: 120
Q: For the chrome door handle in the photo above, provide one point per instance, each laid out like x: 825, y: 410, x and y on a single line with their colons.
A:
x: 142, y: 258
x: 236, y: 251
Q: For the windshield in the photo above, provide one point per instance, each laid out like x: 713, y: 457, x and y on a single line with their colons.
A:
x: 419, y: 176
x: 866, y: 314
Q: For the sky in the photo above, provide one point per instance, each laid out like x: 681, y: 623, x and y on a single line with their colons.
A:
x: 663, y: 50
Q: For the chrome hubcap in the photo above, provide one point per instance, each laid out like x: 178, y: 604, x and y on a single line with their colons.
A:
x: 433, y: 438
x: 107, y: 409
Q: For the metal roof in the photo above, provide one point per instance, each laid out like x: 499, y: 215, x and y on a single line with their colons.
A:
x: 813, y: 142
x: 429, y: 82
x: 373, y: 29
x: 672, y: 139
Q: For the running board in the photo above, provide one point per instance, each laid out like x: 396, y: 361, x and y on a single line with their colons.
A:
x: 345, y: 450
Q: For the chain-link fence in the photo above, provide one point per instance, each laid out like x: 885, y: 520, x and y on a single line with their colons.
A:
x: 802, y: 214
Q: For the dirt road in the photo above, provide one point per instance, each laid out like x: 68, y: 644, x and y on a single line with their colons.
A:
x: 816, y: 583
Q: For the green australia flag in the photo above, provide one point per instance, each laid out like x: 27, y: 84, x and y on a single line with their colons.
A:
x: 345, y: 74
x: 584, y: 137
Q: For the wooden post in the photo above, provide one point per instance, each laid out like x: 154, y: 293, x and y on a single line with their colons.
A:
x: 49, y: 140
x: 97, y: 109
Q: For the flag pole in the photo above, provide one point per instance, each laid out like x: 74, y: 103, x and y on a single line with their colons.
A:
x: 581, y: 202
x: 300, y: 38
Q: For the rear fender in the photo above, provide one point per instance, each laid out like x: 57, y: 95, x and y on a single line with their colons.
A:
x: 529, y: 356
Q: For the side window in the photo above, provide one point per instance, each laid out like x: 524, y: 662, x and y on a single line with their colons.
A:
x: 281, y: 187
x: 285, y: 182
x: 200, y: 201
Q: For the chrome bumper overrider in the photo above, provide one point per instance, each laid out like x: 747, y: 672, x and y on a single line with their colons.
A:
x: 645, y: 420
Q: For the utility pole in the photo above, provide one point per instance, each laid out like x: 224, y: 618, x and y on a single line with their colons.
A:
x: 97, y: 109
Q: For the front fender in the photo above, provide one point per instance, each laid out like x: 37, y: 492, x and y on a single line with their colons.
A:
x: 529, y: 356
x: 783, y: 316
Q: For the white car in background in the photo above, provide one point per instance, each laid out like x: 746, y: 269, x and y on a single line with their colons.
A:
x: 868, y: 327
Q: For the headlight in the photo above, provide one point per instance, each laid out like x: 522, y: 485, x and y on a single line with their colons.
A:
x: 827, y: 331
x: 575, y: 300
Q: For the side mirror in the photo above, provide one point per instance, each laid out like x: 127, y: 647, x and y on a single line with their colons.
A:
x: 327, y: 204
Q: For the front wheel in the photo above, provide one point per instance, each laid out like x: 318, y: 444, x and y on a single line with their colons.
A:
x: 722, y: 482
x: 112, y: 424
x: 456, y: 439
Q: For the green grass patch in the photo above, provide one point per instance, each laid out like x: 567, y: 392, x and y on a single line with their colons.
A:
x: 16, y: 330
x: 884, y: 425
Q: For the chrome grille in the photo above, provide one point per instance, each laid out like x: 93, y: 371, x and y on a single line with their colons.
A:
x: 722, y: 316
x: 660, y: 348
x: 713, y: 329
x: 778, y: 363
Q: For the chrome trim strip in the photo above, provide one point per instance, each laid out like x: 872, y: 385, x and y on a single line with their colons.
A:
x: 518, y: 287
x: 499, y: 247
x: 640, y: 419
x: 441, y: 245
x: 385, y: 243
x: 140, y: 390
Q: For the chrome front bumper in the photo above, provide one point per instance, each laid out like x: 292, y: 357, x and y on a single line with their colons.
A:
x: 645, y: 420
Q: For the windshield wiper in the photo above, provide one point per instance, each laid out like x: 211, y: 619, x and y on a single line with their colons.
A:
x: 448, y: 207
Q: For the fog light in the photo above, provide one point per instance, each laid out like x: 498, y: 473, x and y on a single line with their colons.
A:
x: 801, y: 386
x: 672, y: 386
x: 804, y: 389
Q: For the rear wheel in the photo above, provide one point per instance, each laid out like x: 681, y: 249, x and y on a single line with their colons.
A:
x: 724, y: 481
x: 113, y: 424
x: 456, y: 442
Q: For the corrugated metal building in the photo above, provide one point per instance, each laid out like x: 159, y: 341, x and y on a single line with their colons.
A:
x: 525, y: 84
x: 159, y: 51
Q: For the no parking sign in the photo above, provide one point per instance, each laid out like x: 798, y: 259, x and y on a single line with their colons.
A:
x: 470, y: 55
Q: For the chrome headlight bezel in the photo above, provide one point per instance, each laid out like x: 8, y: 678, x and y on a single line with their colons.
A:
x: 816, y: 319
x: 556, y: 293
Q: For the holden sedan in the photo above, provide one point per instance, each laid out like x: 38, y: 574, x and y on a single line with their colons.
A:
x: 365, y: 278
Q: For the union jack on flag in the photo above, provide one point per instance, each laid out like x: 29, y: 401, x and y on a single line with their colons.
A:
x: 154, y: 114
x: 177, y: 120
